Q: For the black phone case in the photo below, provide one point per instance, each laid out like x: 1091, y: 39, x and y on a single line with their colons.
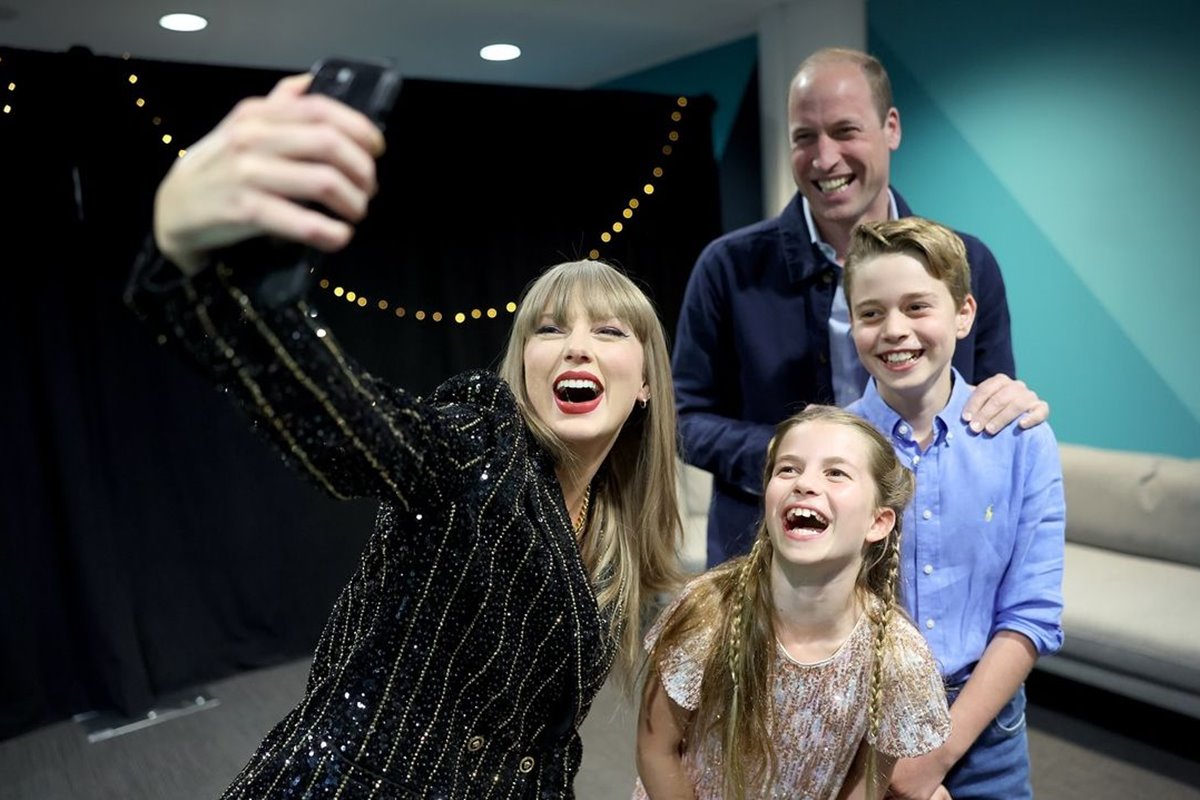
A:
x: 368, y: 86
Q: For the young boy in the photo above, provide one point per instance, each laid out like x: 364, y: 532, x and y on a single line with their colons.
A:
x: 982, y: 552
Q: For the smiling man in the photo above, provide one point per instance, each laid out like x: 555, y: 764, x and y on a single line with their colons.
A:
x: 764, y: 328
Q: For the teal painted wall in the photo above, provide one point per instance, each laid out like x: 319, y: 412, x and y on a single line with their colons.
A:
x: 1065, y: 136
x: 721, y: 72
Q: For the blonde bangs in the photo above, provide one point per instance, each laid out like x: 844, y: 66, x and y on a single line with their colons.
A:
x: 603, y: 292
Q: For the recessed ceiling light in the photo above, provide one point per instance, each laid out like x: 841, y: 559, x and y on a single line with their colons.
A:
x: 183, y: 22
x: 500, y: 52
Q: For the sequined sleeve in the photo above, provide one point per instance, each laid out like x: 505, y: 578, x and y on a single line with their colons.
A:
x: 681, y: 668
x: 348, y: 432
x: 916, y: 718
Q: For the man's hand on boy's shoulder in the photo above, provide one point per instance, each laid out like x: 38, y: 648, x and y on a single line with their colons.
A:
x: 999, y: 400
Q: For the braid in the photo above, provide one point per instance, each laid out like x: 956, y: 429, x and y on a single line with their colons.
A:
x: 743, y: 733
x: 735, y: 618
x: 737, y: 652
x: 875, y: 691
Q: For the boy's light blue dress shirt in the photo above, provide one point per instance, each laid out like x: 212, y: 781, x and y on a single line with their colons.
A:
x: 982, y: 542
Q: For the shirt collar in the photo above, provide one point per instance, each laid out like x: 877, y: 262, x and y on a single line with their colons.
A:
x: 960, y: 392
x: 814, y: 235
x: 886, y: 419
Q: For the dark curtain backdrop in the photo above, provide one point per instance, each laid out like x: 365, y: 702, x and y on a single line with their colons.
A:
x: 150, y: 541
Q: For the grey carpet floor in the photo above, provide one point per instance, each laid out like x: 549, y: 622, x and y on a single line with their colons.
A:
x: 1126, y: 757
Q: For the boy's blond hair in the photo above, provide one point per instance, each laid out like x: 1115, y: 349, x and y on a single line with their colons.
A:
x: 940, y: 250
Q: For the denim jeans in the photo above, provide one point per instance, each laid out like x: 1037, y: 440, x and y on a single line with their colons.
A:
x: 997, y: 765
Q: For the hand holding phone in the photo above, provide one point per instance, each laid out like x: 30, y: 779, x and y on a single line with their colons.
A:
x: 367, y: 86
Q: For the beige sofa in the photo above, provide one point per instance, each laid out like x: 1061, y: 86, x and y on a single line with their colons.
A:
x: 1131, y: 581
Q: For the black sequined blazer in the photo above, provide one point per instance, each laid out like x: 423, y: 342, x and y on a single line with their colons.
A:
x: 467, y: 648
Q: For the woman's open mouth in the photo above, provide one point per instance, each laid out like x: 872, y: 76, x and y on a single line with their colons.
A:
x: 577, y: 394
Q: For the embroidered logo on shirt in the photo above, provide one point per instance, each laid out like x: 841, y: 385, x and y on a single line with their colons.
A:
x: 987, y: 515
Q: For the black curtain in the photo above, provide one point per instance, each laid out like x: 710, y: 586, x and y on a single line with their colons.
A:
x: 149, y: 541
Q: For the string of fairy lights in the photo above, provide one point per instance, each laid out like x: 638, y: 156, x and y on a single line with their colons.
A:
x: 603, y: 238
x: 10, y: 89
x: 140, y: 101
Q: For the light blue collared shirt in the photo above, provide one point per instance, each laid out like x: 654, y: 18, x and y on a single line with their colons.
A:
x: 849, y: 376
x: 982, y: 544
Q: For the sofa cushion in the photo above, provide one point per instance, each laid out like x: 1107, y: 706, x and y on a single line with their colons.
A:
x: 1135, y: 503
x: 1133, y: 615
x: 694, y: 491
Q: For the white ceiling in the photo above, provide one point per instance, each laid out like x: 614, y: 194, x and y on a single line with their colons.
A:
x: 566, y: 43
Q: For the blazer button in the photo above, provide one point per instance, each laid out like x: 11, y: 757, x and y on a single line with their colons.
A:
x: 827, y: 277
x: 475, y: 744
x: 526, y: 765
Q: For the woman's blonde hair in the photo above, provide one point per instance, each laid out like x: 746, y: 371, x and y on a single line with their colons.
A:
x: 634, y: 530
x: 736, y: 692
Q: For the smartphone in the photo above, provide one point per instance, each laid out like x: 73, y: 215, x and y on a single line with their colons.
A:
x: 369, y: 86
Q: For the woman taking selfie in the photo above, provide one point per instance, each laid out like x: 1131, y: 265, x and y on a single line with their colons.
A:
x: 526, y: 518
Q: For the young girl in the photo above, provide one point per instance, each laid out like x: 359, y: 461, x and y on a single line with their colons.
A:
x: 790, y: 672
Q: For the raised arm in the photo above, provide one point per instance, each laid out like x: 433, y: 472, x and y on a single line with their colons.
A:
x: 252, y: 175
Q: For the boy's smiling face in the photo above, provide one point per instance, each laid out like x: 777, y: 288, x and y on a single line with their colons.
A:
x: 905, y: 326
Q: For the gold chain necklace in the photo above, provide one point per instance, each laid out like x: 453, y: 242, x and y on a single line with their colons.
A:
x: 583, y: 512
